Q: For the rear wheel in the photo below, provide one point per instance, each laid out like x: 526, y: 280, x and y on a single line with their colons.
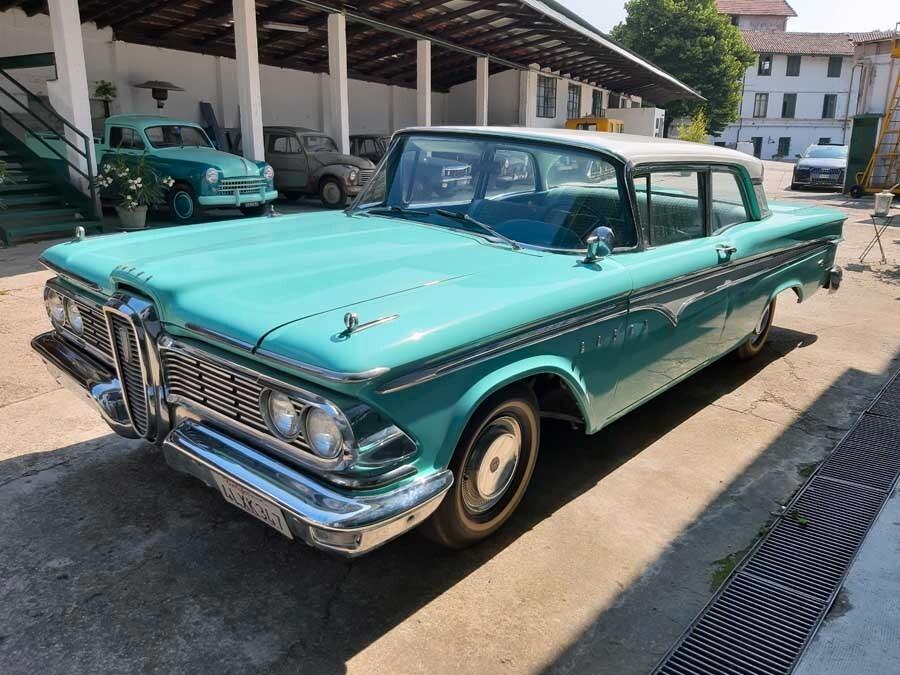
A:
x: 492, y: 467
x: 332, y: 193
x: 757, y: 340
x: 183, y: 204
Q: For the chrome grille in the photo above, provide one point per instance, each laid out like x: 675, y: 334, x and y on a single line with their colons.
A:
x: 128, y: 360
x: 365, y: 175
x: 245, y: 185
x: 213, y: 385
x: 95, y: 332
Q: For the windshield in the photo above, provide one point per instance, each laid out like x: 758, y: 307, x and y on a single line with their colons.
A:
x: 535, y: 194
x: 177, y: 136
x: 319, y: 144
x: 826, y: 152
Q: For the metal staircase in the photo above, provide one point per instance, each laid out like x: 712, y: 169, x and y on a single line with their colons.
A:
x: 883, y: 169
x: 37, y: 198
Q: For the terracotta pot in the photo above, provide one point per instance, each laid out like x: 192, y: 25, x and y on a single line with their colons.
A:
x: 132, y: 220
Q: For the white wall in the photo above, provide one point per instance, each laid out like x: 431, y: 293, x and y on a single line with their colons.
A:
x: 291, y: 97
x: 751, y: 22
x: 503, y: 101
x: 875, y: 77
x: 807, y: 126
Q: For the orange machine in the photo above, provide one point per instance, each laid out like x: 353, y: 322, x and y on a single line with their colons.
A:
x: 591, y: 123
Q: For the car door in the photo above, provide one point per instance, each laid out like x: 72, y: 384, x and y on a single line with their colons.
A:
x: 282, y: 150
x: 678, y: 306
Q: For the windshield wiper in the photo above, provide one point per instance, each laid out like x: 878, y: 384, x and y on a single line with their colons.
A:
x: 393, y: 210
x: 466, y: 218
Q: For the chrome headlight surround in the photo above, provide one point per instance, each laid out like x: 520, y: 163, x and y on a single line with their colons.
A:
x: 73, y: 317
x: 322, y: 432
x: 55, y: 306
x: 268, y: 173
x: 353, y: 176
x: 277, y: 408
x: 212, y: 176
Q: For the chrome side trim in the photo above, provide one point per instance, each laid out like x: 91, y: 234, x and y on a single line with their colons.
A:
x: 220, y: 337
x: 526, y: 337
x: 321, y: 516
x: 323, y: 373
x: 69, y: 276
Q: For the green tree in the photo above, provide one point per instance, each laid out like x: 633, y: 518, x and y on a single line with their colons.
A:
x: 696, y: 130
x: 696, y: 44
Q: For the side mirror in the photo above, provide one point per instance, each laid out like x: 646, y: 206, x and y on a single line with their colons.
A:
x: 600, y: 243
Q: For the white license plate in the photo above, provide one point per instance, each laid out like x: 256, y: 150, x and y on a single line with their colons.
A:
x: 252, y: 204
x: 250, y: 502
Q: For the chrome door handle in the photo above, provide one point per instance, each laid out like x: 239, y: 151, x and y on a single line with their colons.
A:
x: 727, y: 249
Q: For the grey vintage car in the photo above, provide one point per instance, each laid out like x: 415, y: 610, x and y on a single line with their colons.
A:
x: 309, y: 163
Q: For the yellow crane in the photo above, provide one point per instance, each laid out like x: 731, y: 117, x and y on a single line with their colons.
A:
x: 883, y: 170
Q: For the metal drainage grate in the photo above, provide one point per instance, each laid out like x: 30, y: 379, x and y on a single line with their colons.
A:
x: 764, y: 615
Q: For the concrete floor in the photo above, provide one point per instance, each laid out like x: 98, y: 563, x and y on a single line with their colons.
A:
x: 111, y: 562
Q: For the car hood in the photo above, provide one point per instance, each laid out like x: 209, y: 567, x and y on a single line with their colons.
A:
x: 328, y: 158
x: 231, y: 166
x: 283, y: 285
x: 821, y: 163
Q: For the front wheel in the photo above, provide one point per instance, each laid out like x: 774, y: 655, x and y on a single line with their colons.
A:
x: 754, y: 344
x: 332, y: 193
x: 183, y: 204
x: 492, y: 467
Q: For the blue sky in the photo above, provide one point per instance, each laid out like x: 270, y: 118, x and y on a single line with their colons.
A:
x: 826, y: 16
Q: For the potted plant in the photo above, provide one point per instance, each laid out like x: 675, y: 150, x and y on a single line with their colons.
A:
x: 106, y: 91
x: 135, y: 187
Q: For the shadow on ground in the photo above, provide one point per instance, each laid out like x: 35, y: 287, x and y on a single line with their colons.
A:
x: 112, y: 562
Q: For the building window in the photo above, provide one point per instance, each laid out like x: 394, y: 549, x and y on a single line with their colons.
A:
x: 761, y: 105
x: 825, y: 140
x: 614, y: 101
x: 573, y: 105
x: 596, y: 103
x: 789, y: 106
x: 829, y: 106
x: 793, y: 65
x: 834, y: 65
x: 735, y: 20
x: 757, y: 146
x: 765, y: 65
x: 546, y: 96
x: 784, y: 146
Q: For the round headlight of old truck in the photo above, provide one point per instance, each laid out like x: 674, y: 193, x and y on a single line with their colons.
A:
x: 280, y: 415
x: 73, y: 317
x: 55, y: 308
x: 212, y: 176
x: 352, y: 176
x: 269, y: 172
x: 322, y: 433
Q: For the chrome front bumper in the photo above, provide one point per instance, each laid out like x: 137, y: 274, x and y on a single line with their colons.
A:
x: 319, y: 515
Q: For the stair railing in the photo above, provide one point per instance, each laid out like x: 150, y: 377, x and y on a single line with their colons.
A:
x: 86, y: 141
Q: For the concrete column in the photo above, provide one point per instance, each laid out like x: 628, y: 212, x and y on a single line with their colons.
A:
x: 482, y: 73
x: 69, y: 92
x: 587, y: 99
x: 423, y: 83
x: 339, y: 111
x: 528, y: 97
x: 123, y: 102
x: 247, y: 66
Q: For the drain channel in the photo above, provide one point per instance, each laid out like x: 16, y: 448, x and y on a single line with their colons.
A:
x: 762, y: 618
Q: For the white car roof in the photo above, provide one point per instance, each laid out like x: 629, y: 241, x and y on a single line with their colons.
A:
x: 627, y: 147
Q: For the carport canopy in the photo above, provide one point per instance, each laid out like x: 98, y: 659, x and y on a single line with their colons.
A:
x: 381, y: 38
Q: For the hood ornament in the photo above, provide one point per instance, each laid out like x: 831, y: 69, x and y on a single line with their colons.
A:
x: 351, y: 321
x: 79, y: 233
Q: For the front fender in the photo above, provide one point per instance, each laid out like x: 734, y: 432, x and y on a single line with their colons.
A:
x: 339, y: 171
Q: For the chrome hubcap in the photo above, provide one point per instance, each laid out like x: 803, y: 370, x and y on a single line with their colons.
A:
x: 489, y: 470
x: 184, y: 205
x: 331, y: 193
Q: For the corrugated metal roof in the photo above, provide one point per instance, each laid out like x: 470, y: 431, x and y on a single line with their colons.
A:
x: 816, y: 44
x: 755, y: 7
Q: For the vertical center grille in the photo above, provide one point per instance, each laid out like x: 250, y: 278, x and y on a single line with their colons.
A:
x: 124, y: 341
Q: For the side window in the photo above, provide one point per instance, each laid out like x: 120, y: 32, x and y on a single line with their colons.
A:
x: 115, y: 137
x: 728, y: 206
x: 295, y: 146
x: 513, y: 173
x: 280, y: 144
x: 670, y: 206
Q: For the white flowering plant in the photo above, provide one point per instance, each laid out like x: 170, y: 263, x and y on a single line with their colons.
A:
x: 132, y: 183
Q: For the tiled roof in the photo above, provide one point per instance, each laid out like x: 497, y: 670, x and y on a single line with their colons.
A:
x: 777, y: 42
x: 872, y: 36
x: 755, y: 7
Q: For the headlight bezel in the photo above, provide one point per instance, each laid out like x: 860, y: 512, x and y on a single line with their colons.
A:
x: 353, y: 175
x: 49, y: 296
x: 331, y: 418
x: 73, y: 324
x: 268, y: 172
x: 266, y: 398
x: 212, y: 176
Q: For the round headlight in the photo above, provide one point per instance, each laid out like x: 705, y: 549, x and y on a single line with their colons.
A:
x: 352, y: 176
x: 322, y: 433
x: 269, y: 172
x: 73, y: 316
x: 280, y: 415
x: 212, y: 176
x: 55, y: 309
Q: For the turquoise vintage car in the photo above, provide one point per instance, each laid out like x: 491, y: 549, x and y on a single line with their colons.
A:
x: 204, y: 177
x: 345, y: 377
